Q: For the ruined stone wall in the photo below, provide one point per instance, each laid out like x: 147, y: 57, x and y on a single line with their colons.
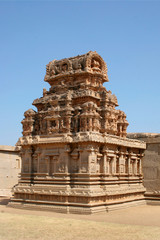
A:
x: 10, y: 166
x: 151, y: 162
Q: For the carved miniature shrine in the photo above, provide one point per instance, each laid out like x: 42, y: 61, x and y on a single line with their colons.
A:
x: 75, y: 154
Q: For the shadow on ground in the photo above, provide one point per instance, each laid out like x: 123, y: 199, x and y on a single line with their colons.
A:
x: 4, y: 201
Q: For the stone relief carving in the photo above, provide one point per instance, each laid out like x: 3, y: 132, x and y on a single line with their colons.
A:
x: 74, y: 147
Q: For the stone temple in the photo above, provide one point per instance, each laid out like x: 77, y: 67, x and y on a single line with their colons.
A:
x: 75, y: 154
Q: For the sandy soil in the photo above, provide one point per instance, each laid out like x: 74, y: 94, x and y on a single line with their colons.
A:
x: 145, y: 215
x: 136, y: 223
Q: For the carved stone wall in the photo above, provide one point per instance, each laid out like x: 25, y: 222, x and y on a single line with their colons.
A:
x: 151, y: 165
x: 75, y: 154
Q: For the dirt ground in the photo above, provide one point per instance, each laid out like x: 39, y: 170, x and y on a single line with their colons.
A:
x: 135, y: 223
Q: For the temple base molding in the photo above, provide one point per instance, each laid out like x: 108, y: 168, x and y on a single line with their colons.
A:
x: 45, y: 206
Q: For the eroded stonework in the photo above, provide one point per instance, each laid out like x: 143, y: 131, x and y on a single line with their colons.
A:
x: 75, y: 154
x: 151, y: 165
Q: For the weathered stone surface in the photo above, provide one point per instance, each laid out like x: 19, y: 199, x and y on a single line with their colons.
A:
x: 10, y: 166
x: 75, y: 154
x: 151, y: 164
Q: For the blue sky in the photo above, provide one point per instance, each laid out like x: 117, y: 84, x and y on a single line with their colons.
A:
x: 125, y: 33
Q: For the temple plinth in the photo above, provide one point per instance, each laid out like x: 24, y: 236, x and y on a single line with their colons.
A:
x: 75, y: 154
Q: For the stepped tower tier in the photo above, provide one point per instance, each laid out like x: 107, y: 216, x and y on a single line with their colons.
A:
x: 75, y: 154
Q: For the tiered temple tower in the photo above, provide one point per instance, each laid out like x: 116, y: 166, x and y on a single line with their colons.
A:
x: 75, y: 154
